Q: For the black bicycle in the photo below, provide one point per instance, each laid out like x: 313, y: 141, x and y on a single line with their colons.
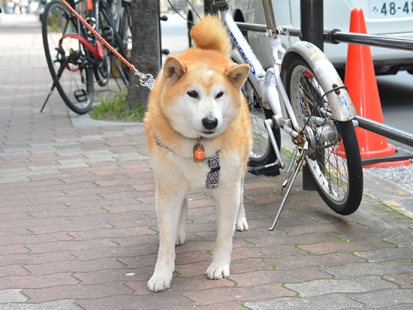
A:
x: 75, y: 56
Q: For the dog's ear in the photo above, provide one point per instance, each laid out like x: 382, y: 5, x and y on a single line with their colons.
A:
x: 173, y: 69
x: 238, y: 74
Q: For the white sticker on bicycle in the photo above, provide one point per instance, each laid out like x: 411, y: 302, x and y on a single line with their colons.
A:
x: 342, y: 100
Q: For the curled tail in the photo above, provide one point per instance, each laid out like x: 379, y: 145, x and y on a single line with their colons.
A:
x: 211, y: 34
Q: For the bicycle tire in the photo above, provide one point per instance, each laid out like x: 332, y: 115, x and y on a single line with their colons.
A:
x: 72, y: 78
x: 74, y: 81
x: 103, y: 69
x: 262, y: 152
x: 125, y: 29
x: 333, y: 156
x: 117, y: 42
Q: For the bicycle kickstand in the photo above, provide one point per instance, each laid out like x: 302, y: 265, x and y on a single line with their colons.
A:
x: 47, y: 98
x: 290, y: 182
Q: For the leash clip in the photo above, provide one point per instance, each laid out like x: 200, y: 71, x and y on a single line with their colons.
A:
x: 146, y: 80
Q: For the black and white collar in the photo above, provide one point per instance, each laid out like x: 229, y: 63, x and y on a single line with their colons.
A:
x: 212, y: 180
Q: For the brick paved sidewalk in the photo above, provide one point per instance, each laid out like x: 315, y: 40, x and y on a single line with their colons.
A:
x: 78, y: 227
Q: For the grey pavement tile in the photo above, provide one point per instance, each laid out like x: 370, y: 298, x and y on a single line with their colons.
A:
x: 385, y: 298
x: 52, y: 305
x: 327, y: 302
x: 388, y: 254
x: 328, y: 286
x: 402, y: 241
x: 355, y: 270
x: 11, y: 296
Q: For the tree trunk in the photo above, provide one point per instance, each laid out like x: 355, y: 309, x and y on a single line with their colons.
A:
x: 145, y: 54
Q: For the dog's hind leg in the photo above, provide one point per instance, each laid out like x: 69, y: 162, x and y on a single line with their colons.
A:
x: 169, y: 204
x: 180, y: 239
x: 241, y: 224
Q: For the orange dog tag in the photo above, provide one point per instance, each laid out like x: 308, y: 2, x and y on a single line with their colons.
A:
x: 199, y: 153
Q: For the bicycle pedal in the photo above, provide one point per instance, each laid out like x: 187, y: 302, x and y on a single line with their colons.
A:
x: 270, y: 170
x: 80, y: 95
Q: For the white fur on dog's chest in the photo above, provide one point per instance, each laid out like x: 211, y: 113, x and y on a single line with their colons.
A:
x: 197, y: 176
x: 183, y: 171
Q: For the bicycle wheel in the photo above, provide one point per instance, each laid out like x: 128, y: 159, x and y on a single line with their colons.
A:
x: 262, y: 151
x: 333, y: 155
x: 120, y: 40
x: 67, y: 58
x: 125, y: 30
x: 103, y: 67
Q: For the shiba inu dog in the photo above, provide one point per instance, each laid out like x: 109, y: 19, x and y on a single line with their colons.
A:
x: 198, y: 131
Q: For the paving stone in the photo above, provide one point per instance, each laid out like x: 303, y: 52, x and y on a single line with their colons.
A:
x: 225, y: 294
x: 402, y: 241
x: 354, y: 270
x: 166, y: 300
x: 52, y: 305
x: 355, y: 285
x: 11, y: 296
x: 299, y: 261
x: 381, y: 255
x: 327, y: 302
x: 33, y: 281
x: 79, y: 291
x: 403, y: 280
x: 258, y: 277
x: 385, y: 298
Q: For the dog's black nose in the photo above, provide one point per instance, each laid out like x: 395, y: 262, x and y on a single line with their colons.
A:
x: 210, y: 122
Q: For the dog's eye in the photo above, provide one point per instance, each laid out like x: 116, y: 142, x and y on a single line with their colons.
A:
x: 219, y: 95
x: 193, y: 94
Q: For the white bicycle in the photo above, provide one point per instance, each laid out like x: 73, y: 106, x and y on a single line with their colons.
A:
x: 303, y: 95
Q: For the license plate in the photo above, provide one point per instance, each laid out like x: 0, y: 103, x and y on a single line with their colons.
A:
x: 389, y: 9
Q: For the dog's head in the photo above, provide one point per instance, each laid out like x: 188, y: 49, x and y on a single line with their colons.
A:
x: 201, y: 94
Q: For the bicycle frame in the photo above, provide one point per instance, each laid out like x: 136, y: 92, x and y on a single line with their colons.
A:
x: 268, y: 83
x: 116, y: 14
x: 113, y: 17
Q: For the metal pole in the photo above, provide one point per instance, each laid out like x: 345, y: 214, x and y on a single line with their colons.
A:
x: 335, y: 36
x: 385, y: 130
x: 210, y: 8
x: 312, y: 30
x: 312, y: 22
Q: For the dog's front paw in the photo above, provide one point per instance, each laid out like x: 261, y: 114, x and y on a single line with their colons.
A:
x: 217, y: 271
x: 159, y: 282
x: 241, y: 224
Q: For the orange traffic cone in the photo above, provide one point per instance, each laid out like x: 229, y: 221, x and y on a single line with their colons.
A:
x: 361, y: 82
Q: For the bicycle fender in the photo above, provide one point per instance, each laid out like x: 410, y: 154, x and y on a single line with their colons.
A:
x: 341, y: 105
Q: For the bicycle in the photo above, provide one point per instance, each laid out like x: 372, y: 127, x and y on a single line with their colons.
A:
x: 303, y: 95
x: 76, y: 59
